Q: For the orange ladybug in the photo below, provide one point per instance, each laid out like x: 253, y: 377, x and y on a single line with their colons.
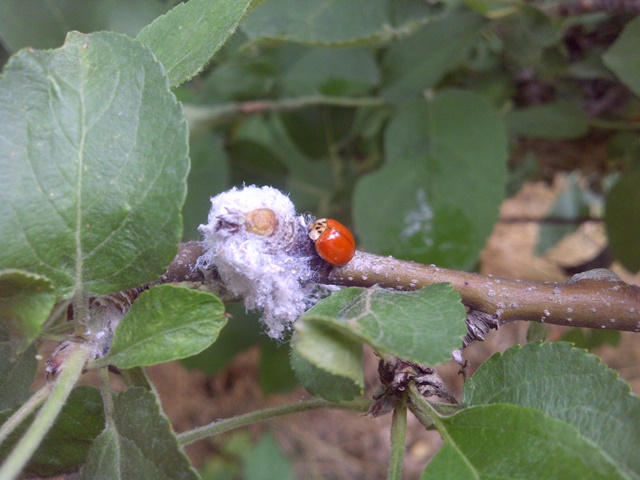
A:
x: 334, y: 242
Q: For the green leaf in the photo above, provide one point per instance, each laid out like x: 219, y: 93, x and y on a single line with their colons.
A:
x: 93, y: 168
x: 536, y: 332
x: 138, y: 443
x: 590, y: 339
x: 623, y: 57
x: 570, y: 385
x: 449, y: 464
x: 552, y: 120
x: 522, y: 172
x: 307, y: 130
x: 332, y: 72
x: 410, y: 68
x: 326, y: 22
x: 209, y: 176
x: 233, y: 448
x: 442, y: 185
x: 509, y: 441
x: 25, y: 303
x: 106, y: 459
x: 16, y: 374
x: 267, y: 462
x: 67, y: 444
x: 622, y: 217
x: 528, y: 36
x: 165, y: 323
x: 238, y: 77
x: 185, y: 39
x: 326, y: 362
x: 571, y: 204
x: 424, y: 326
x: 38, y: 24
x: 308, y: 182
x: 276, y: 374
x: 242, y: 331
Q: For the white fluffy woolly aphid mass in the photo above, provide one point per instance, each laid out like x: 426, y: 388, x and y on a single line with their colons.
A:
x: 260, y: 261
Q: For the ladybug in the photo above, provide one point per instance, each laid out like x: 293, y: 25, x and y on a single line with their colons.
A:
x: 334, y: 242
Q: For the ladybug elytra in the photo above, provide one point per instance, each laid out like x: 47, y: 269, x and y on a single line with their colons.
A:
x: 334, y: 242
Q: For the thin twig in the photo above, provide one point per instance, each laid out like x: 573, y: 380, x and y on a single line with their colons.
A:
x: 24, y: 411
x: 398, y: 442
x: 45, y: 417
x: 107, y: 395
x: 221, y: 426
x: 222, y: 113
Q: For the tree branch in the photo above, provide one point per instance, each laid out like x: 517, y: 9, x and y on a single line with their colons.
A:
x: 594, y: 299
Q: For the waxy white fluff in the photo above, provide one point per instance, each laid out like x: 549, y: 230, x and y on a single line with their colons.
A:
x: 269, y: 272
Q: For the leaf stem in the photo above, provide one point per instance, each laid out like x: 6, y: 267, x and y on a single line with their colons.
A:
x: 398, y: 442
x: 428, y: 411
x: 105, y: 391
x: 23, y: 412
x: 218, y: 114
x: 44, y: 419
x: 220, y: 426
x: 56, y: 314
x: 137, y: 377
x: 420, y: 408
x: 425, y: 411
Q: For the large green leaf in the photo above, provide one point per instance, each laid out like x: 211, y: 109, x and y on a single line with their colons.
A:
x: 237, y: 76
x: 165, y: 323
x: 424, y: 326
x: 16, y: 374
x: 25, y: 303
x: 185, y: 39
x: 38, y: 24
x: 327, y: 22
x: 623, y: 57
x: 138, y: 443
x: 419, y: 62
x: 622, y: 216
x: 66, y: 445
x: 332, y: 72
x: 551, y: 120
x: 437, y: 198
x: 308, y: 181
x: 93, y: 160
x: 570, y: 385
x: 509, y: 441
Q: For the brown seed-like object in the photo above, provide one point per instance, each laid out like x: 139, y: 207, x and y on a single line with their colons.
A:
x: 262, y: 221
